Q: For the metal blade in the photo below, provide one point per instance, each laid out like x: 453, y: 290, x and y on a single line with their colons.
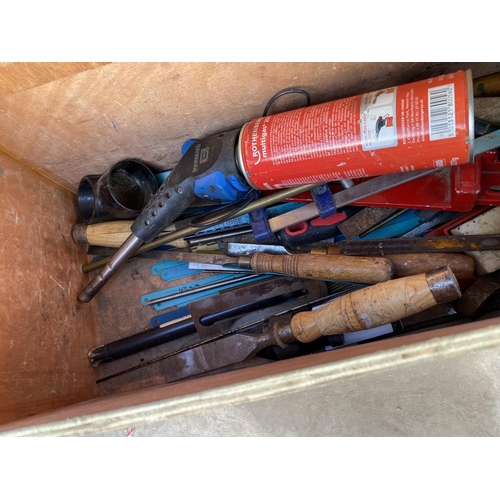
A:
x: 487, y: 142
x: 245, y: 322
x: 223, y: 352
x: 205, y: 258
x: 239, y: 249
x: 348, y: 196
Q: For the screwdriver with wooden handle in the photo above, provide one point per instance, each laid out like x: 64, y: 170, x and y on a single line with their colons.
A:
x: 362, y: 309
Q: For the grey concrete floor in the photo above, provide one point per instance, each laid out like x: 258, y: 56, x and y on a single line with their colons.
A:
x: 457, y: 396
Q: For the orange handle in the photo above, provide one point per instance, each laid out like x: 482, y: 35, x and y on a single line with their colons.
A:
x: 377, y: 305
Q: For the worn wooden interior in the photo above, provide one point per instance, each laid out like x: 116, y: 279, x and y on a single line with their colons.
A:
x: 60, y: 122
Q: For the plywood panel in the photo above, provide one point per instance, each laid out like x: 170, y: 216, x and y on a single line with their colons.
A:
x: 85, y: 123
x: 44, y: 332
x: 18, y: 76
x: 253, y: 384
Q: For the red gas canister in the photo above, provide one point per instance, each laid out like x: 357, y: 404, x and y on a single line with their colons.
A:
x: 416, y: 126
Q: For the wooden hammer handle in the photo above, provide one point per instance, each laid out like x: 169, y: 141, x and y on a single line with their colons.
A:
x: 325, y: 267
x: 377, y: 305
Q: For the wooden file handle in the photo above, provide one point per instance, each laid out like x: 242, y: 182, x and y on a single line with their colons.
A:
x: 377, y: 305
x: 325, y: 267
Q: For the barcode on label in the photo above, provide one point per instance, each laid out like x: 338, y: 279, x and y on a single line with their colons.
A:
x: 442, y: 112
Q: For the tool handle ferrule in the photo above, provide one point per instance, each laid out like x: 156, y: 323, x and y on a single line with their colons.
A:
x: 377, y: 305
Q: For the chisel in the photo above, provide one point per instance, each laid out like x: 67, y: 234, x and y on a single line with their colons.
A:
x: 317, y: 294
x: 151, y: 338
x: 324, y: 267
x: 369, y: 307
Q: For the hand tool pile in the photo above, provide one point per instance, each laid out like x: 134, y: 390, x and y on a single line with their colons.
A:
x: 276, y: 268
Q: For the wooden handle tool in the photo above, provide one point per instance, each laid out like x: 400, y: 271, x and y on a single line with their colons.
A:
x: 325, y: 267
x: 112, y: 234
x: 377, y: 305
x: 359, y: 310
x: 408, y: 264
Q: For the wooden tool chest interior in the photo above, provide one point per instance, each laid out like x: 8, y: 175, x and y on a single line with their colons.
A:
x: 60, y: 122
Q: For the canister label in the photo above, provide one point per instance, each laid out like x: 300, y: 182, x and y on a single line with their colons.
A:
x: 416, y: 126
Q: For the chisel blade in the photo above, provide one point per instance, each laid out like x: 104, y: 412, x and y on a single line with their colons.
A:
x: 214, y: 355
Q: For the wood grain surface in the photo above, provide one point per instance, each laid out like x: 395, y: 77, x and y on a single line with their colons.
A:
x: 63, y: 122
x: 18, y: 76
x: 112, y: 234
x: 369, y: 307
x: 84, y: 123
x: 325, y: 267
x: 44, y: 331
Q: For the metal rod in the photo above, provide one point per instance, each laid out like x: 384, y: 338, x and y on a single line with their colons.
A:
x: 199, y: 289
x: 214, y: 236
x: 123, y: 254
x: 187, y: 231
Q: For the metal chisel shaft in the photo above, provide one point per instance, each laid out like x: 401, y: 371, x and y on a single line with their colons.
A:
x: 369, y: 307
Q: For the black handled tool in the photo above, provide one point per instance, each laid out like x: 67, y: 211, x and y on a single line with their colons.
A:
x: 208, y: 167
x: 157, y: 336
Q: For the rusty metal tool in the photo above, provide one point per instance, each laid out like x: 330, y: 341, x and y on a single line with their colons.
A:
x: 369, y: 307
x: 207, y: 316
x: 481, y: 297
x: 323, y: 267
x: 388, y: 246
x: 365, y: 219
x: 318, y: 292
